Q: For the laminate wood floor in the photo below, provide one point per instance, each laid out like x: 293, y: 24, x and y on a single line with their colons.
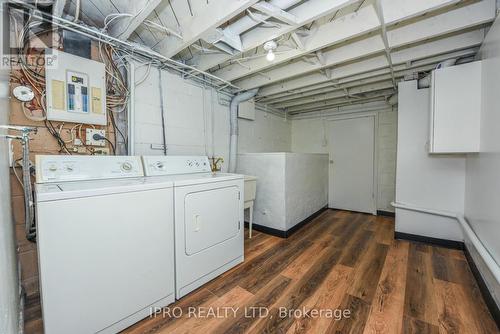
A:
x: 341, y: 273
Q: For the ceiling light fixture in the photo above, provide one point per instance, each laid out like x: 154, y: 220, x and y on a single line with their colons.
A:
x: 270, y: 46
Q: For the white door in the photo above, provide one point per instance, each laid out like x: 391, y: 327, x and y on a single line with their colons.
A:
x: 352, y: 153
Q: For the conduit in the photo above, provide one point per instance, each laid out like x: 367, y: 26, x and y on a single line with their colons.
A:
x: 425, y: 82
x: 233, y: 123
x: 483, y: 252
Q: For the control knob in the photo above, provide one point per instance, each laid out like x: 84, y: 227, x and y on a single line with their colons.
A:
x: 127, y: 166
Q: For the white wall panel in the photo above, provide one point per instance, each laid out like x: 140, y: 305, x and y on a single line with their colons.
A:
x: 483, y: 170
x: 423, y: 180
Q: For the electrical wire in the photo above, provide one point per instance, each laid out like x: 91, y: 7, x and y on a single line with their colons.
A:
x: 110, y: 144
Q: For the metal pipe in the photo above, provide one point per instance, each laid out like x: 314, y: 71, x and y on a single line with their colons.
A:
x: 105, y: 38
x: 162, y: 110
x: 29, y: 216
x: 233, y: 121
x: 131, y: 108
x: 468, y: 231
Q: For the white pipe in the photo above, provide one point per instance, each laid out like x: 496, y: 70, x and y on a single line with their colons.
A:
x: 135, y: 49
x: 131, y: 108
x: 233, y: 122
x: 483, y: 252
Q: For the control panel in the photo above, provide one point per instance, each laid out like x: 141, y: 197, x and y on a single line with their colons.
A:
x: 76, y: 89
x: 55, y: 168
x: 175, y: 164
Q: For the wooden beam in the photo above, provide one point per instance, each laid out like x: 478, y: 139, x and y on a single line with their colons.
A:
x: 193, y: 27
x: 350, y: 26
x: 276, y: 12
x: 122, y: 28
x: 356, y: 71
x: 306, y: 13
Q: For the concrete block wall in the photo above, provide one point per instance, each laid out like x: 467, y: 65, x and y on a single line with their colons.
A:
x: 308, y: 137
x: 387, y: 142
x: 197, y: 121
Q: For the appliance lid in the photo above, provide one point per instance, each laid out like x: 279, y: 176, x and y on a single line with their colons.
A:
x: 77, y: 189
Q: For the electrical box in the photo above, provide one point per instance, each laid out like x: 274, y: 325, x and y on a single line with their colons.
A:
x: 75, y: 89
x: 90, y: 141
x: 246, y: 110
x: 456, y: 109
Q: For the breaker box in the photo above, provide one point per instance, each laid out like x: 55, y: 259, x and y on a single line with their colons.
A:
x: 75, y: 89
x: 246, y: 110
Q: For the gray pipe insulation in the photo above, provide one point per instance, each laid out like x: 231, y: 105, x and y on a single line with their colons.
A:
x: 233, y: 122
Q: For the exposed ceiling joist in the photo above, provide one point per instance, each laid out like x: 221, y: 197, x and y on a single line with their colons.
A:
x: 360, y: 107
x: 383, y: 29
x: 122, y: 28
x: 461, y: 18
x: 360, y: 70
x: 338, y: 94
x: 363, y: 21
x: 276, y: 12
x: 306, y: 13
x: 456, y: 20
x: 193, y: 27
x: 369, y: 97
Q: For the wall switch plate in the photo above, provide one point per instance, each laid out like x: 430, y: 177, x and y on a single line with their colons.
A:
x: 89, y: 137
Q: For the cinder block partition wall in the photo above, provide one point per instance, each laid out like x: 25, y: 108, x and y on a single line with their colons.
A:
x: 197, y: 121
x: 308, y: 137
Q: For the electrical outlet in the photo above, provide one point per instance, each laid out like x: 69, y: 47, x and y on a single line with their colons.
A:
x: 101, y: 151
x: 89, y: 137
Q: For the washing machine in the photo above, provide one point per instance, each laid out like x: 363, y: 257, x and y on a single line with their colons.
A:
x: 105, y: 241
x: 208, y: 210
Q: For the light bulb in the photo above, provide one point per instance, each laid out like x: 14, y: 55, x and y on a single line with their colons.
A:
x: 270, y: 55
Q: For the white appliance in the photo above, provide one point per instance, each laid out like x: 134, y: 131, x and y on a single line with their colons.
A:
x: 105, y: 246
x: 208, y: 218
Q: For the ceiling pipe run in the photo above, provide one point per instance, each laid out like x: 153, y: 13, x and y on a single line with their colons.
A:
x: 425, y: 82
x: 233, y: 122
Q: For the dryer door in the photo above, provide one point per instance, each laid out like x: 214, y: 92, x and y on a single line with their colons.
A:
x: 208, y: 232
x: 211, y: 217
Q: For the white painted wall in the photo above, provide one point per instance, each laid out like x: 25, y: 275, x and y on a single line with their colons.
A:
x: 269, y: 168
x: 310, y: 135
x: 268, y: 133
x: 425, y: 180
x: 197, y: 120
x: 305, y: 188
x: 290, y: 186
x: 482, y: 195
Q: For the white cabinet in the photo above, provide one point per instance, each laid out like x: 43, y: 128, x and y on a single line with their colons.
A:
x: 456, y: 109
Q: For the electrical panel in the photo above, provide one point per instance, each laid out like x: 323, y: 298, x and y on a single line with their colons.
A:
x: 75, y: 89
x: 246, y: 110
